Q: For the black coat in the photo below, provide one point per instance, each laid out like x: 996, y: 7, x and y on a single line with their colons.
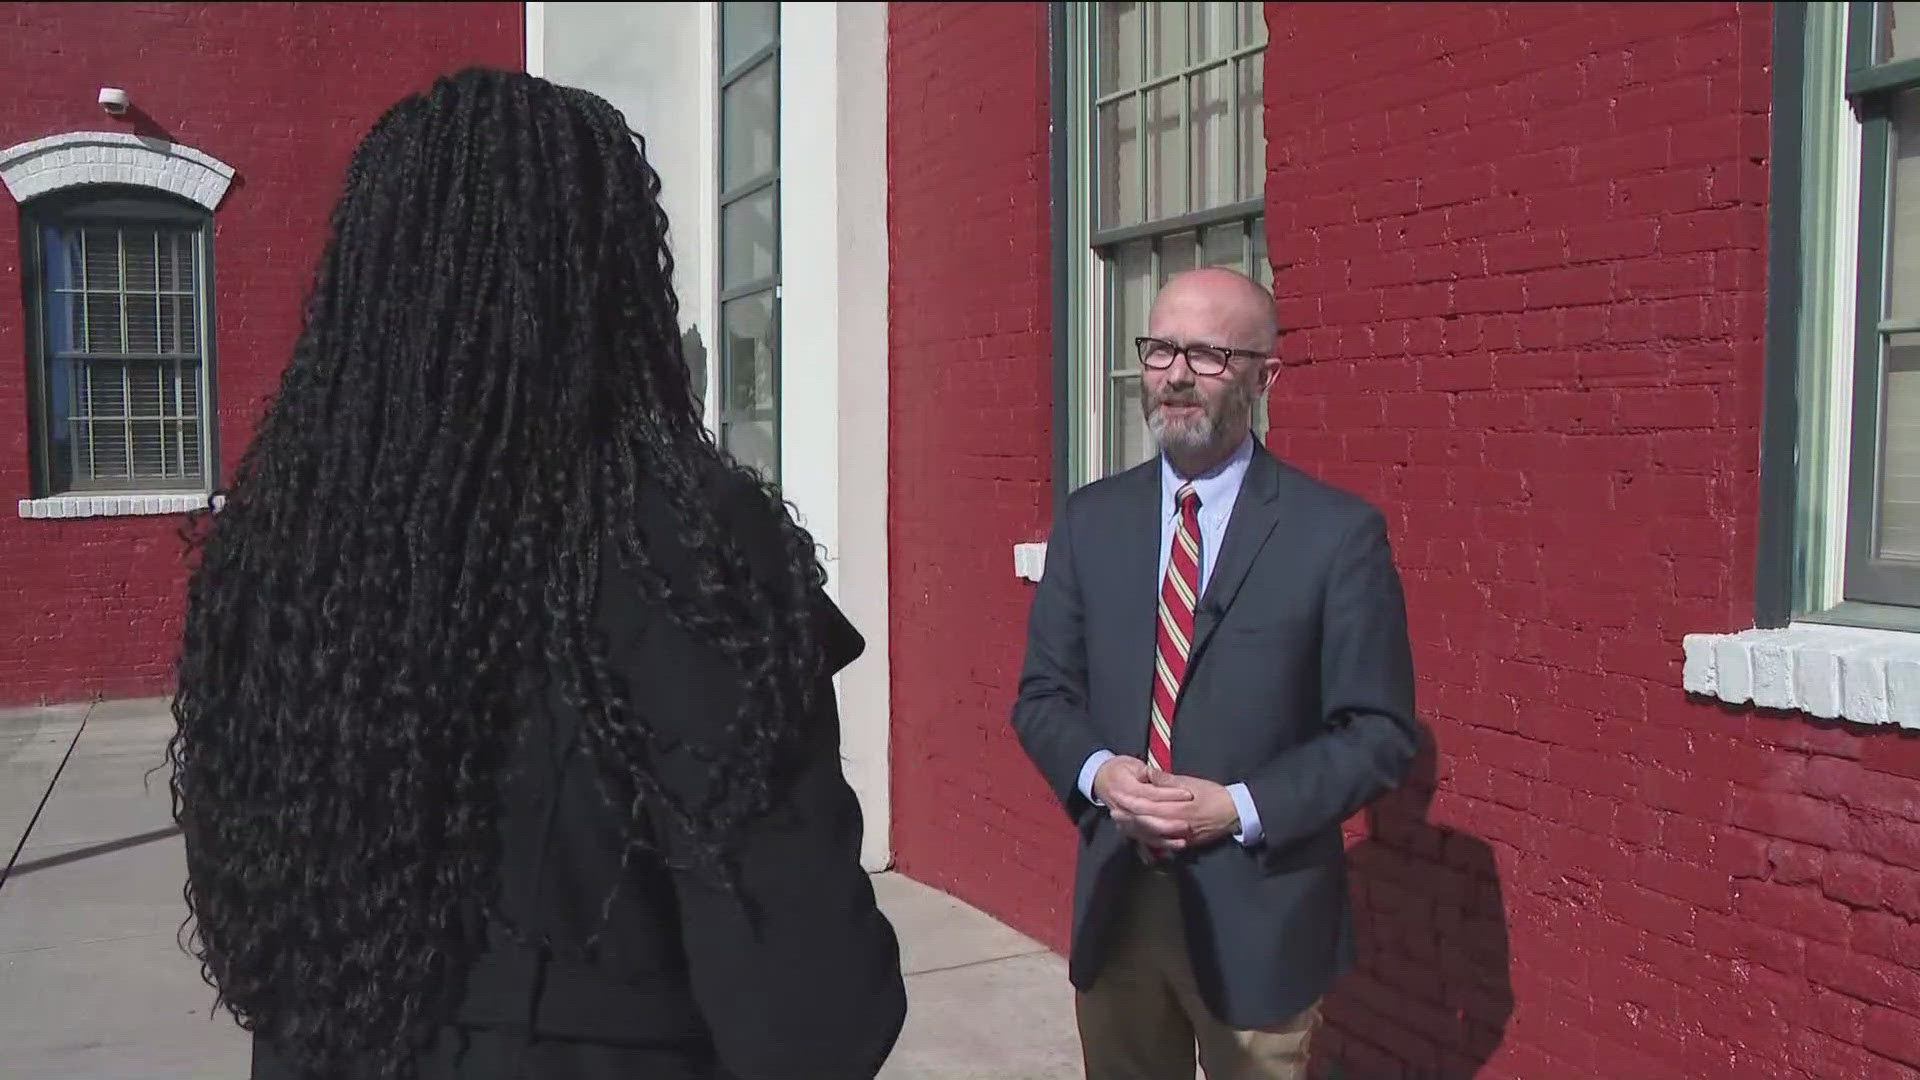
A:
x: 1299, y: 684
x: 796, y: 977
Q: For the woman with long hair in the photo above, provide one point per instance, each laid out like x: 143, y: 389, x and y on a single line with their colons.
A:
x: 507, y: 742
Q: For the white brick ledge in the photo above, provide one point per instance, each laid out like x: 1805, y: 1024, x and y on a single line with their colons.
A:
x: 84, y: 506
x: 1866, y: 676
x: 75, y: 158
x: 1029, y: 560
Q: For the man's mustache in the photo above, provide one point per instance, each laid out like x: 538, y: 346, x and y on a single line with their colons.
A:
x: 1176, y: 399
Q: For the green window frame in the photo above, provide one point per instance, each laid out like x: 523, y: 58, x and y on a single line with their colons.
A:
x: 1841, y: 340
x: 1161, y: 114
x: 749, y: 235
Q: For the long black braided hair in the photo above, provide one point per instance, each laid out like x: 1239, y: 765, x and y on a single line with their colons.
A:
x: 489, y: 375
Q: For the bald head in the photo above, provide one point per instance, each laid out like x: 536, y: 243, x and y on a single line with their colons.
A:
x: 1217, y: 306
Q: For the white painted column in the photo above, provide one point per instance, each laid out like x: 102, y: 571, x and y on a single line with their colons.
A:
x: 833, y: 348
x: 536, y: 38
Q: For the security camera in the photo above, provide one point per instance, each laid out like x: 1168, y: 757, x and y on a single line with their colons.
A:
x: 113, y: 100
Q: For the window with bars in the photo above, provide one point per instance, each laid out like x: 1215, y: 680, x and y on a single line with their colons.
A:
x: 1167, y: 147
x: 118, y: 298
x: 749, y: 406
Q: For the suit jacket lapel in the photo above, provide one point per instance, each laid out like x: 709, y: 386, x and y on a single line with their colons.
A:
x: 1255, y: 512
x: 1139, y: 571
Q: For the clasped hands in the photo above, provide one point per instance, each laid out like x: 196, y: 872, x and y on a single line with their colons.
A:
x: 1164, y: 812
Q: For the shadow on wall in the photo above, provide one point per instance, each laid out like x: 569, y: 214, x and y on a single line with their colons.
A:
x: 1431, y: 994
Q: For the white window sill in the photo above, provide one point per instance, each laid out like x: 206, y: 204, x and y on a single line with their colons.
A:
x: 1844, y: 672
x: 1029, y: 560
x: 83, y: 506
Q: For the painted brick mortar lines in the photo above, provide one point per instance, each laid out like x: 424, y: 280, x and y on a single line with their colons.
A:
x: 1520, y: 251
x: 970, y: 394
x: 280, y: 92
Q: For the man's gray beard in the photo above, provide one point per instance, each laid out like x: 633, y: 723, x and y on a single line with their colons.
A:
x: 1206, y: 430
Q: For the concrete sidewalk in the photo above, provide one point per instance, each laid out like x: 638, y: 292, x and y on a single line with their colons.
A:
x: 93, y: 983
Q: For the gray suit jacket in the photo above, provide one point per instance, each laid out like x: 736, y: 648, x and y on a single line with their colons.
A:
x: 1300, y: 684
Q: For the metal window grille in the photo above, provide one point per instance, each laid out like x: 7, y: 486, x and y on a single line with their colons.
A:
x: 1171, y: 98
x: 749, y: 383
x: 124, y: 356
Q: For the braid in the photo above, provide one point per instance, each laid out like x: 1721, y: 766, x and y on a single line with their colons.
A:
x: 488, y: 378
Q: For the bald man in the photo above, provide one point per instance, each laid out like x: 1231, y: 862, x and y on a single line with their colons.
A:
x: 1217, y: 675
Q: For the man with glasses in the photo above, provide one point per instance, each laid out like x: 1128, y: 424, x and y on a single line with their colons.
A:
x: 1217, y: 675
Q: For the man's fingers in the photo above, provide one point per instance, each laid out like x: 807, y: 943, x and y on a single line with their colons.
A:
x: 1159, y: 829
x: 1144, y: 796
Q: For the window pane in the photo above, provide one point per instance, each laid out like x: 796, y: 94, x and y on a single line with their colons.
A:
x: 1214, y: 182
x: 143, y: 322
x: 1903, y: 210
x: 1167, y: 39
x: 105, y: 455
x: 176, y: 263
x: 1251, y: 132
x: 1225, y: 245
x: 749, y: 239
x: 1253, y: 23
x: 749, y: 125
x: 1213, y: 31
x: 1900, y: 450
x: 1166, y: 154
x: 101, y: 262
x: 143, y: 252
x: 1117, y: 45
x: 1132, y: 295
x: 1132, y: 443
x: 745, y: 29
x: 1119, y: 154
x: 1262, y: 266
x: 750, y: 387
x: 1899, y: 32
x: 1178, y: 253
x: 102, y: 320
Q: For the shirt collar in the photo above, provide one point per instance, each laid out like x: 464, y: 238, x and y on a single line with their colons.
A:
x: 1217, y: 487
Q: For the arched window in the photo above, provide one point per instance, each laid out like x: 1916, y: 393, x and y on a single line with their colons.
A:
x: 119, y: 344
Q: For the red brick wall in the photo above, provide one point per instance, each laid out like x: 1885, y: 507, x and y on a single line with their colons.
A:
x: 1521, y: 260
x: 281, y: 92
x: 969, y: 448
x: 1520, y: 254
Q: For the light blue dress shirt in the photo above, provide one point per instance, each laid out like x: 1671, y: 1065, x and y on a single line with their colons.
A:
x: 1219, y: 489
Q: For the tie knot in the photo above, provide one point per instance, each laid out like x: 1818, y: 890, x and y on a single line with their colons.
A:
x: 1187, y: 499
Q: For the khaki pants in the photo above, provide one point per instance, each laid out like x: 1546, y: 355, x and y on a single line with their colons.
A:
x: 1143, y: 1017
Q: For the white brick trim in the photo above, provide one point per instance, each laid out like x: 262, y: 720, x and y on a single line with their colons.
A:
x: 83, y: 506
x: 75, y: 158
x: 1866, y: 676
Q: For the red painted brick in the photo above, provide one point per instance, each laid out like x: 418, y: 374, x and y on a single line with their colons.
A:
x: 1872, y: 980
x: 1896, y: 753
x: 1852, y: 879
x: 1889, y: 839
x: 1895, y: 1034
x: 1888, y: 937
x: 1792, y: 817
x: 280, y: 92
x: 1797, y: 909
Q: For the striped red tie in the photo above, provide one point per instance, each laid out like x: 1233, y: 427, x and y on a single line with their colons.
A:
x: 1178, y: 595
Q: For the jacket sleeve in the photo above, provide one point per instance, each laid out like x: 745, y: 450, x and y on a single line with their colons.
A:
x: 797, y: 972
x: 1369, y: 734
x: 1050, y: 713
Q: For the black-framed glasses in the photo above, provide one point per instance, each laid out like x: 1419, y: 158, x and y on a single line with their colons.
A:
x: 1158, y: 354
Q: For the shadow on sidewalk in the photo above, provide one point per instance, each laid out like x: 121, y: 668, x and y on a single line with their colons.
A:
x: 1431, y: 994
